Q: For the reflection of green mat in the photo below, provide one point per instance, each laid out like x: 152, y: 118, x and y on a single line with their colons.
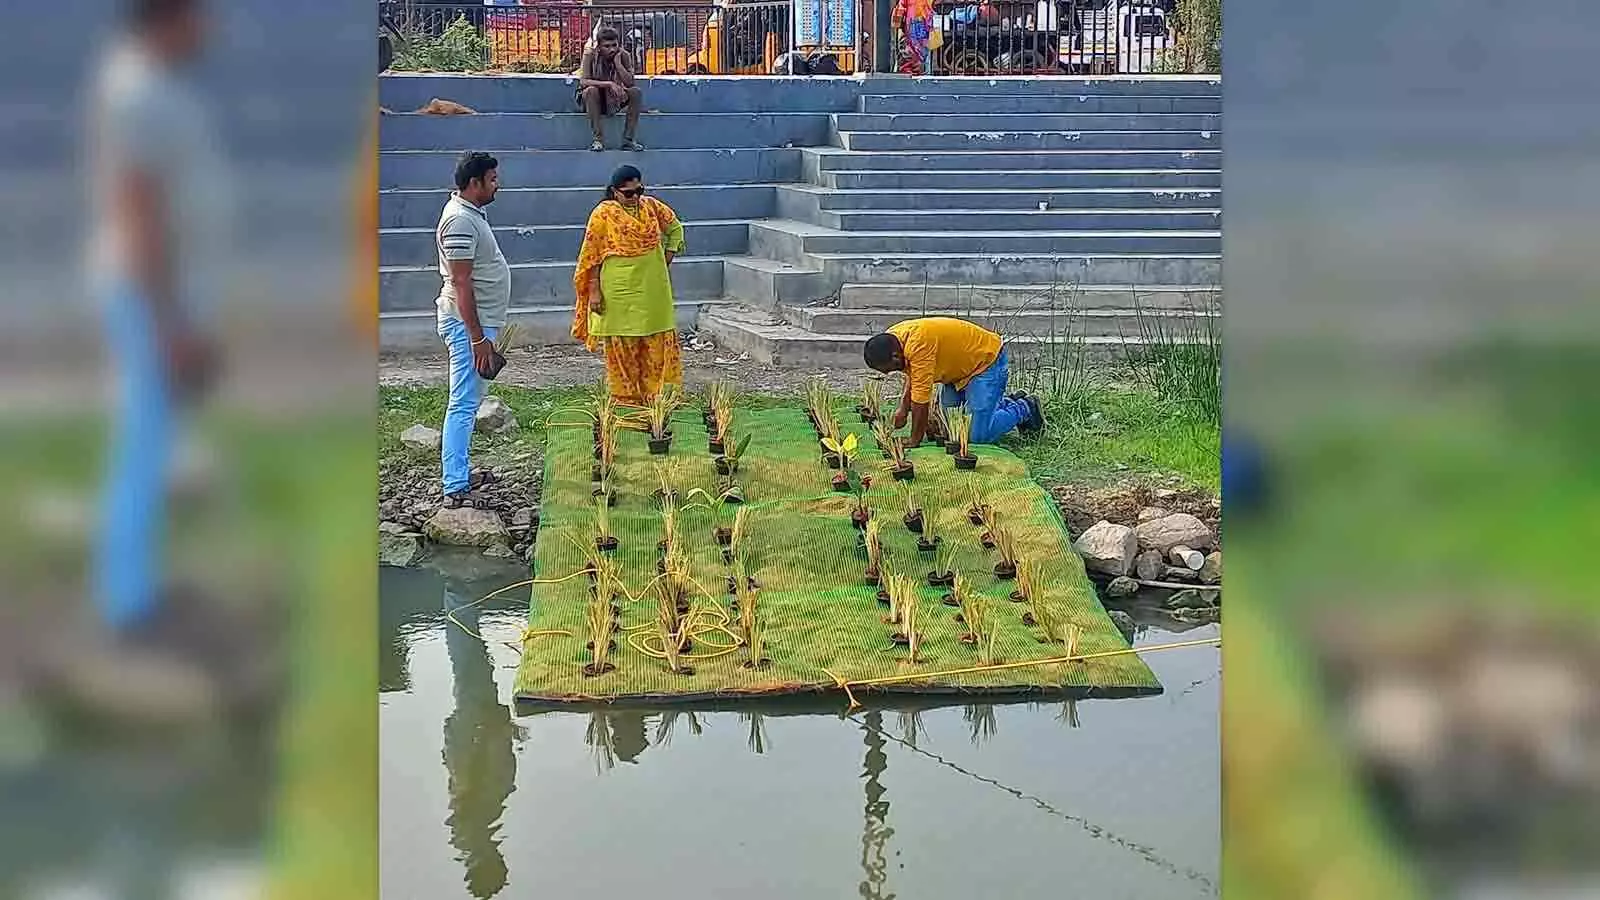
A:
x: 820, y: 617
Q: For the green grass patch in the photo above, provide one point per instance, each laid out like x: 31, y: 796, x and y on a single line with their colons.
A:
x: 822, y: 617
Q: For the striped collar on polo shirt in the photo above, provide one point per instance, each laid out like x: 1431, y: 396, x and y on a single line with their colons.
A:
x: 456, y: 197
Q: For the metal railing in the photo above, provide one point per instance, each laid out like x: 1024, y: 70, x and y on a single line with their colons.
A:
x: 992, y: 37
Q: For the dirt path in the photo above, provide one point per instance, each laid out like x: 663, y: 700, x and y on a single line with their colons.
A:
x: 568, y: 365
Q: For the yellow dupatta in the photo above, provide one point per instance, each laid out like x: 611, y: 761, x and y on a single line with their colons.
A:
x: 613, y: 231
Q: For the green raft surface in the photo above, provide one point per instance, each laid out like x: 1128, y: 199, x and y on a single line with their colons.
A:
x: 821, y: 617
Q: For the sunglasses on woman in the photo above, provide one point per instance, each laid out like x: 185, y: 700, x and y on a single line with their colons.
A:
x: 630, y: 193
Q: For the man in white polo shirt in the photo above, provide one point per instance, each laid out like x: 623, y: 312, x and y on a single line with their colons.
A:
x: 473, y: 303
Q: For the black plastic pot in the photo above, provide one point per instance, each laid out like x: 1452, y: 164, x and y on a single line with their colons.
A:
x: 951, y: 448
x: 966, y: 463
x: 724, y: 468
x: 715, y: 447
x: 611, y: 498
x: 937, y: 580
x: 1005, y: 571
x: 926, y: 546
x: 832, y: 461
x: 841, y: 487
x: 913, y: 523
x: 723, y: 536
x: 606, y: 543
x: 660, y: 446
x: 908, y: 472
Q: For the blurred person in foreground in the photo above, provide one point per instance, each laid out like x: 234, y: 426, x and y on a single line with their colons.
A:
x: 474, y: 300
x: 160, y: 226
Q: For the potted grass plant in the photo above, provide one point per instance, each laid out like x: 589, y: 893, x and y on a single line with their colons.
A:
x: 603, y: 491
x: 956, y: 422
x: 975, y: 613
x: 909, y: 635
x: 938, y: 426
x: 1027, y: 582
x: 915, y: 518
x: 662, y: 406
x: 961, y: 425
x: 752, y: 630
x: 1005, y: 544
x: 716, y: 393
x: 600, y: 617
x: 900, y: 465
x: 943, y: 573
x: 928, y: 538
x: 873, y: 534
x: 728, y: 463
x: 719, y: 425
x: 871, y: 408
x: 604, y: 540
x: 978, y: 508
x: 737, y: 535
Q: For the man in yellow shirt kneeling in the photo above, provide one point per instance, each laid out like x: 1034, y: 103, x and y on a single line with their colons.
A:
x: 970, y: 363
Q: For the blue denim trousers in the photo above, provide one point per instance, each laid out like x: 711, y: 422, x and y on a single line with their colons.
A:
x: 994, y: 414
x: 461, y: 413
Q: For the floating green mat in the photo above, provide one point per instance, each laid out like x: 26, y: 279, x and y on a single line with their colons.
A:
x: 821, y: 618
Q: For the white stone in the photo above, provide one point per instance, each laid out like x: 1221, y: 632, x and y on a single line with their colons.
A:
x: 1108, y: 548
x: 421, y: 437
x: 1174, y: 530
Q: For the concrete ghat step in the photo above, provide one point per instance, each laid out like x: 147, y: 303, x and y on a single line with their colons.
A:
x: 769, y: 339
x: 404, y: 92
x: 984, y: 122
x: 1102, y: 85
x: 980, y: 159
x: 1030, y: 140
x: 1060, y: 323
x: 1021, y: 268
x: 1024, y: 179
x: 767, y: 283
x: 581, y: 168
x: 557, y: 131
x: 1029, y: 104
x: 419, y: 208
x: 1028, y: 220
x: 412, y: 288
x: 920, y: 299
x: 549, y: 324
x: 532, y: 243
x: 800, y: 199
x: 792, y: 241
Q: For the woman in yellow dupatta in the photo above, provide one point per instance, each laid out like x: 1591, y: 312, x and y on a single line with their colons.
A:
x: 624, y: 292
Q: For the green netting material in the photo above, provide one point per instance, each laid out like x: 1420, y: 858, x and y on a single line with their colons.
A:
x: 820, y: 615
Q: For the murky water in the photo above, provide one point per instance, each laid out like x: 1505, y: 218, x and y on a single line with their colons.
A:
x: 1100, y: 798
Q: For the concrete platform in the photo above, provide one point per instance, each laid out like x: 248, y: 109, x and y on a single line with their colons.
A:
x: 582, y: 168
x: 420, y: 207
x: 570, y: 131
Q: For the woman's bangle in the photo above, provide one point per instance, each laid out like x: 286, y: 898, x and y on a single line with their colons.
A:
x: 480, y: 340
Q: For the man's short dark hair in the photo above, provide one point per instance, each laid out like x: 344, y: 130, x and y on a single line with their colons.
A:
x: 473, y: 165
x: 144, y: 13
x: 882, y: 352
x: 606, y: 34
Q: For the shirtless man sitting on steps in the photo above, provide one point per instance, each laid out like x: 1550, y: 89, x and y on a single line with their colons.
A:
x: 606, y: 86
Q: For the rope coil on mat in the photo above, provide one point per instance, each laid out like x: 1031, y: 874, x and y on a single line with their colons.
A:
x: 996, y: 667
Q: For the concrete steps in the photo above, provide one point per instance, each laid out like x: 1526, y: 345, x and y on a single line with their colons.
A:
x: 1030, y: 140
x: 1027, y: 104
x: 983, y: 121
x: 570, y: 131
x: 548, y: 323
x: 411, y: 288
x: 1021, y: 179
x: 801, y: 200
x: 420, y: 207
x: 921, y: 299
x: 1027, y: 220
x: 793, y: 241
x: 536, y: 243
x: 836, y: 159
x: 1059, y: 323
x: 768, y: 338
x: 412, y: 168
x: 820, y: 210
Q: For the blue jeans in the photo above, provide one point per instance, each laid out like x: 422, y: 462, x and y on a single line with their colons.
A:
x: 994, y: 414
x: 461, y: 414
x: 131, y: 544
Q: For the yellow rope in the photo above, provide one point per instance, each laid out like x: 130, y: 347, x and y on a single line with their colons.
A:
x: 922, y: 676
